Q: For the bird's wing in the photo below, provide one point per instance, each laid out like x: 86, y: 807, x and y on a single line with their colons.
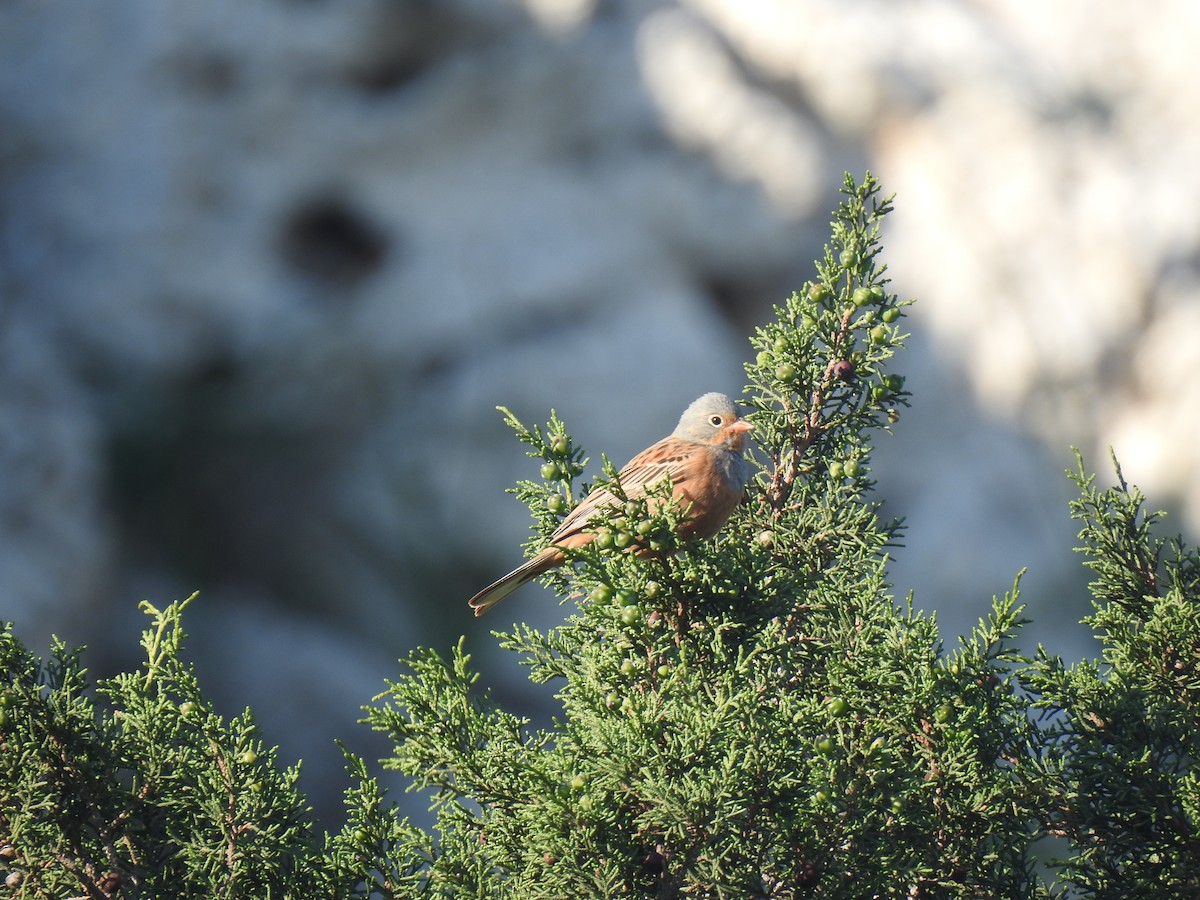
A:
x: 667, y: 457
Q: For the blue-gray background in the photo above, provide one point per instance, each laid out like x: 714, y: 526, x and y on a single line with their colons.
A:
x: 267, y: 266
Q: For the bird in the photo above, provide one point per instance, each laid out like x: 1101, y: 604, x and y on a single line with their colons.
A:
x: 704, y: 459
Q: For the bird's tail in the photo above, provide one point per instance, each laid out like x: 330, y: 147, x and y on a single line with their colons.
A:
x: 497, y: 591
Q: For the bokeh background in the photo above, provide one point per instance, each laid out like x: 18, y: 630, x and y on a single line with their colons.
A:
x: 267, y: 267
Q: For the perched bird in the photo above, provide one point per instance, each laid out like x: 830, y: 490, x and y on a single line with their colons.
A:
x: 702, y: 457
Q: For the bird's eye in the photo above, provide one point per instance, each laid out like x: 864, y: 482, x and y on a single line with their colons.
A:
x: 715, y: 421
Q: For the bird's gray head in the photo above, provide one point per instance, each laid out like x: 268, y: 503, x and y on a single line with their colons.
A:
x: 714, y: 419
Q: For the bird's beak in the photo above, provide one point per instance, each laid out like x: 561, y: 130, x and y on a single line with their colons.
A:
x: 739, y: 426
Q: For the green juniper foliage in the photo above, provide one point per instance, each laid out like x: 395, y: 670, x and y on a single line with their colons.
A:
x: 152, y: 796
x: 1121, y: 743
x: 750, y: 716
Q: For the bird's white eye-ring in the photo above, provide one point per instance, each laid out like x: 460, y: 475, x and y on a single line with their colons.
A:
x: 716, y: 421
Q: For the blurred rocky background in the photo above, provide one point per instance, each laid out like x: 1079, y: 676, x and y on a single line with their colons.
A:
x: 267, y: 267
